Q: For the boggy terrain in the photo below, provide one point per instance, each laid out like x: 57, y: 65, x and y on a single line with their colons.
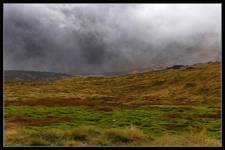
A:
x: 176, y: 106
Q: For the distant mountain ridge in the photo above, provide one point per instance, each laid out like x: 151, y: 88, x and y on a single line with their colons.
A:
x: 21, y: 75
x: 18, y: 75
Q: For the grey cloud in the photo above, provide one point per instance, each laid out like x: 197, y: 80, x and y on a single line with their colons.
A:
x: 109, y: 38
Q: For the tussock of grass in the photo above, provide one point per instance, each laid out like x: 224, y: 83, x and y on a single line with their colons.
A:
x: 15, y: 136
x: 126, y: 136
x: 38, y: 142
x: 90, y: 136
x: 198, y: 139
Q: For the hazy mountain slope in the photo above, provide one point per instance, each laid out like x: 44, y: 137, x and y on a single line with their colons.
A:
x: 16, y: 75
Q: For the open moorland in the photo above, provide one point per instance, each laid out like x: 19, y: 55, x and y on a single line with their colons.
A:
x: 176, y: 106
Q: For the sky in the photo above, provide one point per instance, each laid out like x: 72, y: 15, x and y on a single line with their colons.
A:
x: 109, y: 38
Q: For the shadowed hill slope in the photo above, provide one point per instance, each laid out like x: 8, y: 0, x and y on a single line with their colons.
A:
x: 16, y: 75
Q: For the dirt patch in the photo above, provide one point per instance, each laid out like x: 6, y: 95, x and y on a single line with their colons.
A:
x: 9, y: 122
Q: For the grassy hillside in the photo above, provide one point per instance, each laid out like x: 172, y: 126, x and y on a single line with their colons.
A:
x: 135, y: 109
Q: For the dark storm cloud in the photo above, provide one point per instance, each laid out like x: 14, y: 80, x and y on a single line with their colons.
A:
x: 98, y: 39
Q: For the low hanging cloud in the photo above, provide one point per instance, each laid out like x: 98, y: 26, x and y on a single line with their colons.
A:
x: 109, y: 38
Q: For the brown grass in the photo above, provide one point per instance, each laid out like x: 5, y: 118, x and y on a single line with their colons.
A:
x: 199, y: 85
x: 192, y: 139
x: 90, y: 136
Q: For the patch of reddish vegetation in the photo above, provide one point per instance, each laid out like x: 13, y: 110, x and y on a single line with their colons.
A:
x: 66, y: 102
x: 8, y: 122
x: 174, y: 127
x: 178, y: 127
x: 214, y: 115
x: 217, y: 114
x: 47, y: 102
